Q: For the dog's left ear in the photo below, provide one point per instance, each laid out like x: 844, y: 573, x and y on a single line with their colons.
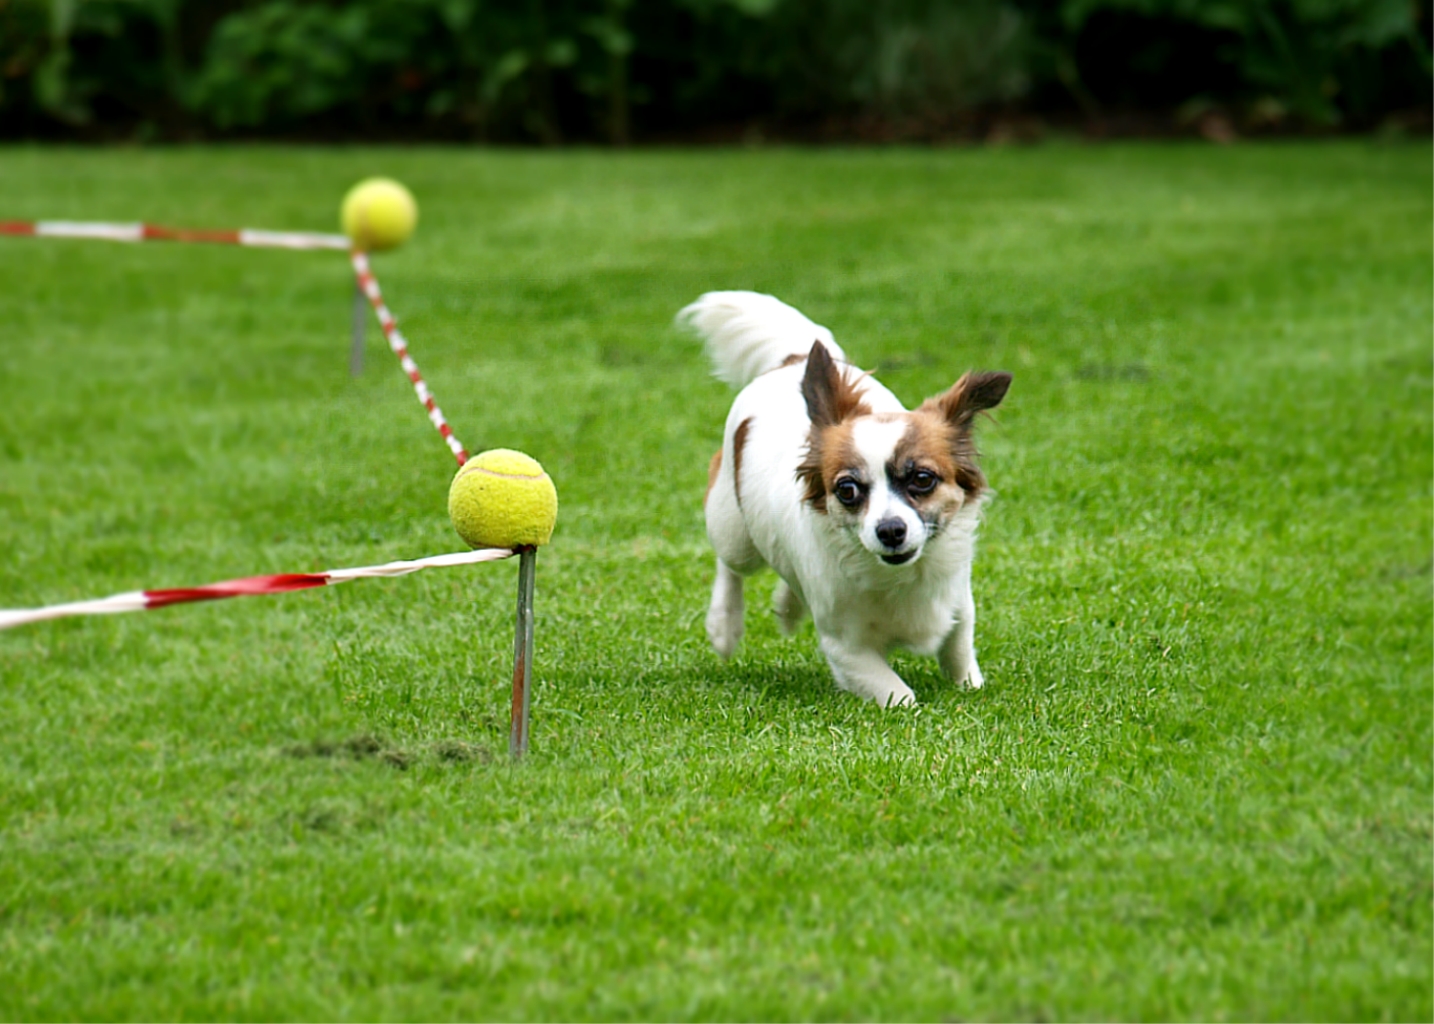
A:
x: 830, y: 397
x: 972, y: 394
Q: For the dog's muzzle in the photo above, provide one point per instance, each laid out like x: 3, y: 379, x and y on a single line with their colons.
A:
x: 891, y: 532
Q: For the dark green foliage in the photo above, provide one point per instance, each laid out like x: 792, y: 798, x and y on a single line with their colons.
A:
x: 1320, y: 61
x: 553, y: 70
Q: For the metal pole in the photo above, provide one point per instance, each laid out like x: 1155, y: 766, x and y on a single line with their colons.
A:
x: 523, y: 654
x: 360, y: 319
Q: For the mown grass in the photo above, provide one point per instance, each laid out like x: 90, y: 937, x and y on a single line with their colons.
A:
x: 1197, y: 785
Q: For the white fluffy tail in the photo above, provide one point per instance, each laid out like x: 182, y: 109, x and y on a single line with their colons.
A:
x: 748, y: 333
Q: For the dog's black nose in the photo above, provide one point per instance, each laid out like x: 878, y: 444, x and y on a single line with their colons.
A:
x: 891, y: 532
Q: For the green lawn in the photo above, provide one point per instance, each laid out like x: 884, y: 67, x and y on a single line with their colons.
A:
x: 1197, y: 785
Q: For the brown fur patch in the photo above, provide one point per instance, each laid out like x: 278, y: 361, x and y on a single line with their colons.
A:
x: 713, y: 468
x: 739, y: 445
x: 829, y: 451
x: 833, y: 402
x: 931, y: 443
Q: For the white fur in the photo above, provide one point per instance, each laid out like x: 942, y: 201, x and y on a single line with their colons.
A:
x: 748, y: 333
x: 861, y: 606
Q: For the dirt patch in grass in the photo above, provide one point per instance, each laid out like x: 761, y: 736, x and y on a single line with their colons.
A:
x: 367, y: 747
x: 355, y: 748
x: 459, y: 752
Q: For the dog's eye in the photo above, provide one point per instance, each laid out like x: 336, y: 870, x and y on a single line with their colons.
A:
x: 848, y: 492
x: 923, y: 481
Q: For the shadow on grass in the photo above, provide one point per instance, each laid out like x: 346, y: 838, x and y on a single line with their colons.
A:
x: 791, y: 681
x: 801, y: 678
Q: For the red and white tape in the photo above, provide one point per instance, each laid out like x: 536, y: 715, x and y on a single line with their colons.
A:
x: 154, y: 233
x: 249, y: 586
x: 396, y: 341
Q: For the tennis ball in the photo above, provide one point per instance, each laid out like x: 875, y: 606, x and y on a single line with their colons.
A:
x: 378, y: 214
x: 502, y: 499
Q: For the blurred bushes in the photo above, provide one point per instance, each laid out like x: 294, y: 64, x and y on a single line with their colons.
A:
x: 554, y: 70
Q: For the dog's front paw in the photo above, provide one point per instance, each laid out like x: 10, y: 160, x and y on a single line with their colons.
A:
x: 724, y: 629
x: 958, y: 661
x: 974, y: 680
x: 898, y: 697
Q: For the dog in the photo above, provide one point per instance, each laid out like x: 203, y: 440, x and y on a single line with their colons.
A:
x: 867, y: 511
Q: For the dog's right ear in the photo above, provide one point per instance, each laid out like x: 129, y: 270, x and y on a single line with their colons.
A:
x: 830, y: 398
x: 973, y: 393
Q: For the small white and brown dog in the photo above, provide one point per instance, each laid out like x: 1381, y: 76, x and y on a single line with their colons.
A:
x: 867, y: 511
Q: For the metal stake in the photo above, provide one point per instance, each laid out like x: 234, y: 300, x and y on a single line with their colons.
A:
x: 360, y: 319
x: 523, y: 654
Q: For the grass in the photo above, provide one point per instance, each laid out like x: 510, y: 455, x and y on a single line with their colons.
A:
x: 1198, y: 784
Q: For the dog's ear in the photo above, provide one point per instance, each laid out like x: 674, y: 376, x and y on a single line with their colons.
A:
x: 973, y: 393
x: 830, y: 398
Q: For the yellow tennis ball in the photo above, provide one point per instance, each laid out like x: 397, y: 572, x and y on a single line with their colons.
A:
x: 503, y: 499
x: 378, y: 214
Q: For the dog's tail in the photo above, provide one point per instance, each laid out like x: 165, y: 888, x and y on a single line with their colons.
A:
x: 748, y: 333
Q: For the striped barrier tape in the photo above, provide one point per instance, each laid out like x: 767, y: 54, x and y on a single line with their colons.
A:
x: 283, y: 583
x: 249, y: 586
x: 154, y: 233
x: 368, y: 284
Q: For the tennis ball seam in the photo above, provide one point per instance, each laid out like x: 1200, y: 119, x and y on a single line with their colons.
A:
x: 505, y: 476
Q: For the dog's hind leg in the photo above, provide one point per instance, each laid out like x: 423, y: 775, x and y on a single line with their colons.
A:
x: 788, y: 607
x: 736, y: 555
x: 724, y: 614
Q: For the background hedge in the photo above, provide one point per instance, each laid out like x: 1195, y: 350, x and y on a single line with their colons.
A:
x: 617, y: 70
